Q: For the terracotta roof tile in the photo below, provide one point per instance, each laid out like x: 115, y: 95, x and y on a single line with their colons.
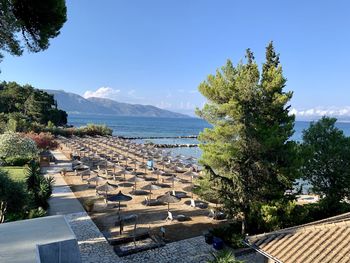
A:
x: 318, y: 242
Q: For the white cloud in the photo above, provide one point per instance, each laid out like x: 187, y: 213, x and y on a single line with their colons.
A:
x: 103, y: 92
x: 131, y: 92
x: 322, y: 111
x: 164, y: 105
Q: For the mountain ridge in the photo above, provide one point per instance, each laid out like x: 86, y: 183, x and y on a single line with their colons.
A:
x: 76, y: 104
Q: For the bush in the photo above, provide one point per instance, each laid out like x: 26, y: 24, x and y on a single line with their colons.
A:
x: 271, y: 217
x: 38, y: 212
x: 14, y: 146
x: 16, y: 161
x: 44, y: 141
x: 13, y: 198
x: 90, y: 129
x: 230, y: 234
x: 89, y: 205
x: 39, y: 187
x: 93, y: 129
x: 224, y: 256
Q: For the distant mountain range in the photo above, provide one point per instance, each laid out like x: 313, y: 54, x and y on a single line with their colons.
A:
x: 76, y: 104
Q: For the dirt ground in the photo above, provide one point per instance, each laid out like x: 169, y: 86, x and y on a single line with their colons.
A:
x: 150, y: 218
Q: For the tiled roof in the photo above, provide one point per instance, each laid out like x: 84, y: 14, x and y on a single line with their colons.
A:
x: 323, y: 241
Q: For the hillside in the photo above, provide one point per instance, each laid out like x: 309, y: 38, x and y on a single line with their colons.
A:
x: 74, y: 103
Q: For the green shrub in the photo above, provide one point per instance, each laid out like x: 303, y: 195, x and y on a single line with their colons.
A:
x: 38, y: 212
x: 224, y: 256
x: 13, y: 198
x: 90, y: 129
x: 230, y: 234
x: 89, y: 205
x: 39, y: 187
x: 16, y: 161
x: 14, y: 147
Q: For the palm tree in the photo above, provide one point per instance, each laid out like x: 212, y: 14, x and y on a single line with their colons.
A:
x: 224, y: 256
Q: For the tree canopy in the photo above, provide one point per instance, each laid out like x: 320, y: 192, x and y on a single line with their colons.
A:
x: 24, y: 104
x: 326, y: 166
x: 30, y: 23
x: 247, y: 153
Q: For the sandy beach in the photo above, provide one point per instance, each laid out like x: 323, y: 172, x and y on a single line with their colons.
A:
x: 149, y: 218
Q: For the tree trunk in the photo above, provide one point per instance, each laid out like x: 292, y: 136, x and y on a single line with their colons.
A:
x: 243, y: 226
x: 3, y: 206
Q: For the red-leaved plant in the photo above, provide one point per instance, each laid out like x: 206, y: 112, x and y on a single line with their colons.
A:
x: 43, y: 140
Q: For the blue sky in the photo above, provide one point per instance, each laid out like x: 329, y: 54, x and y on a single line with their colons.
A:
x: 157, y: 52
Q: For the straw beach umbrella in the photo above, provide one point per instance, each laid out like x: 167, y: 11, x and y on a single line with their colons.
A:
x: 157, y: 172
x: 106, y: 187
x: 136, y: 179
x: 96, y: 179
x: 172, y: 179
x: 169, y: 199
x: 151, y: 187
x: 192, y: 175
x: 120, y: 197
x: 81, y: 167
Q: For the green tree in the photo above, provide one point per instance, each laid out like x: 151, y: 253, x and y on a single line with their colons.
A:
x: 247, y: 153
x: 29, y: 22
x: 224, y: 256
x: 12, y: 196
x: 39, y: 187
x: 326, y: 155
x: 27, y: 105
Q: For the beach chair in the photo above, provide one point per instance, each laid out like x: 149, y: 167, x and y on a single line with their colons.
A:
x: 150, y: 164
x: 170, y: 217
x: 146, y: 201
x: 212, y: 214
x: 193, y: 203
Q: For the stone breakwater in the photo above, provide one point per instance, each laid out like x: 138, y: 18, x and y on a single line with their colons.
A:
x: 158, y: 137
x: 174, y: 145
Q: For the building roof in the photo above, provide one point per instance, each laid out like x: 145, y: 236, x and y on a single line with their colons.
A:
x: 19, y: 240
x: 323, y: 241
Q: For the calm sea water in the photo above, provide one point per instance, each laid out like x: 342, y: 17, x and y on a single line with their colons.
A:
x: 168, y: 127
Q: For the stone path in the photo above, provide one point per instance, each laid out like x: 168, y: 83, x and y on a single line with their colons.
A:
x: 93, y: 245
x: 185, y: 251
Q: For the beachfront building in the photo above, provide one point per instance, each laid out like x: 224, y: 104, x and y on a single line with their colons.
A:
x: 321, y: 241
x: 40, y: 240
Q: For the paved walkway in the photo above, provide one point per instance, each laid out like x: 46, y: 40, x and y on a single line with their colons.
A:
x: 63, y: 200
x: 92, y: 244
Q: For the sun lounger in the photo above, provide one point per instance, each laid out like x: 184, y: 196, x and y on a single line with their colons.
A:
x: 193, y: 203
x: 170, y: 217
x: 182, y: 218
x: 211, y: 213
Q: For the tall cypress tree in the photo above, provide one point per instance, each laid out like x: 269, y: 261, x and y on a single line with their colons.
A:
x: 247, y: 154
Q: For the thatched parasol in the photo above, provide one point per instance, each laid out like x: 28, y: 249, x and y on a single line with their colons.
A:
x: 157, y: 172
x: 96, y: 179
x: 151, y: 187
x: 192, y: 175
x: 81, y: 167
x: 168, y: 198
x: 120, y: 197
x: 136, y: 179
x: 172, y: 179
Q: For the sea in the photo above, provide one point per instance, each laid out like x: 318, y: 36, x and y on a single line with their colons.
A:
x: 169, y: 127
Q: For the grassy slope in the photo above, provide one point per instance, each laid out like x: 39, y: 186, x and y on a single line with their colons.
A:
x: 17, y: 173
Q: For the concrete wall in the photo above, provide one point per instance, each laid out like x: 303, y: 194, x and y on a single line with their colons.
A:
x: 66, y: 251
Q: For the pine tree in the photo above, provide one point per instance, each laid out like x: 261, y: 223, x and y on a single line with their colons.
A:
x: 247, y: 154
